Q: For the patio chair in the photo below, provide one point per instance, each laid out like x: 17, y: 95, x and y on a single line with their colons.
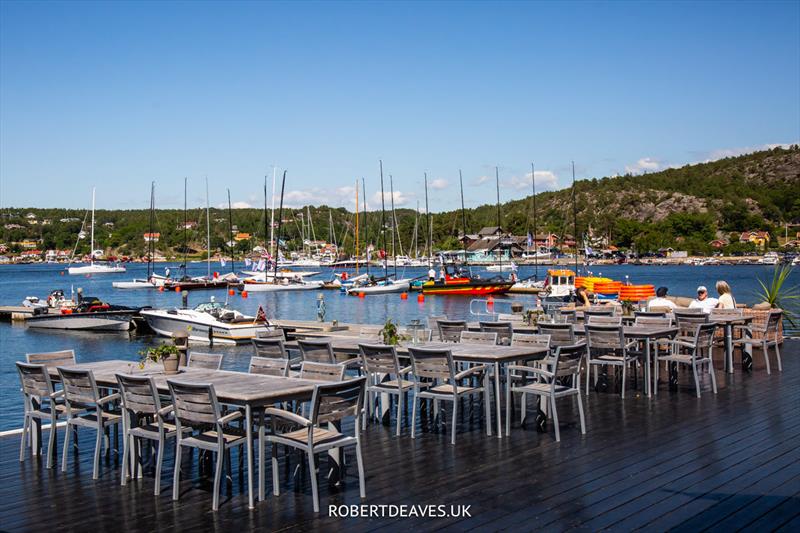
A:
x: 85, y: 408
x: 606, y: 345
x: 687, y: 324
x: 436, y: 365
x: 567, y: 316
x: 530, y: 339
x: 52, y: 359
x: 316, y: 350
x: 277, y: 333
x: 649, y: 314
x: 504, y: 331
x: 42, y: 402
x: 274, y: 348
x: 269, y: 366
x: 206, y: 361
x: 566, y: 362
x: 450, y: 330
x: 321, y: 371
x: 694, y: 353
x: 604, y: 319
x: 604, y: 310
x: 330, y: 404
x: 384, y: 376
x: 370, y: 332
x: 560, y: 334
x: 198, y: 413
x: 479, y: 337
x: 765, y: 336
x: 143, y: 417
x: 432, y: 321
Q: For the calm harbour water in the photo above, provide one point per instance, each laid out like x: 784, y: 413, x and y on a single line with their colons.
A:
x: 19, y: 281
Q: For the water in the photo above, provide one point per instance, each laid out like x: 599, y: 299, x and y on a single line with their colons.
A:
x: 19, y: 281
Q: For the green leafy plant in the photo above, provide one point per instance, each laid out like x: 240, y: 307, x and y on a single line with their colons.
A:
x: 779, y: 295
x: 532, y: 316
x: 390, y: 333
x: 157, y: 353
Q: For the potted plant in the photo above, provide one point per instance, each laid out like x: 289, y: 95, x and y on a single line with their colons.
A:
x: 168, y: 354
x: 390, y: 334
x: 776, y: 294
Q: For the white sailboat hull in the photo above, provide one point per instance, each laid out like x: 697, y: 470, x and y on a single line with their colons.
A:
x: 96, y: 269
x: 260, y: 286
x: 401, y: 285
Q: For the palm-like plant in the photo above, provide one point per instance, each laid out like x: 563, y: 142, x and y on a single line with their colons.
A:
x: 779, y: 295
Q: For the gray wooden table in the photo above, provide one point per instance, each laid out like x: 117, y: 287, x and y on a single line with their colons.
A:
x: 495, y: 356
x: 249, y: 391
x: 727, y: 323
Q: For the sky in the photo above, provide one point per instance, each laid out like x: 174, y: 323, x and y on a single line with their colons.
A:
x: 115, y: 95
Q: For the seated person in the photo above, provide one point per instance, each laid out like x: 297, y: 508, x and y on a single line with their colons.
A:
x: 582, y: 297
x: 703, y: 301
x: 661, y: 300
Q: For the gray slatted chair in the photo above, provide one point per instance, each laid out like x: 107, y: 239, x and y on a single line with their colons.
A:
x: 52, y: 359
x: 274, y: 348
x: 196, y: 409
x: 321, y: 371
x: 384, y: 376
x: 370, y: 332
x: 316, y: 350
x: 606, y: 345
x: 41, y: 403
x: 436, y: 365
x: 565, y: 315
x: 276, y: 333
x: 662, y: 321
x: 433, y: 320
x: 566, y: 362
x: 143, y: 417
x: 530, y: 339
x: 604, y: 319
x: 649, y: 314
x: 269, y: 366
x: 330, y: 404
x: 85, y: 408
x: 504, y: 331
x: 560, y: 334
x: 604, y: 310
x: 694, y: 353
x: 687, y: 324
x: 765, y: 336
x: 450, y: 330
x: 479, y: 337
x: 207, y: 361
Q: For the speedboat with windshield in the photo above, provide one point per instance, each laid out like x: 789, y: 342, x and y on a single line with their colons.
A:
x: 208, y: 322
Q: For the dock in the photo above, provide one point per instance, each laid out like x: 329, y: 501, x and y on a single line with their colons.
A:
x: 16, y: 313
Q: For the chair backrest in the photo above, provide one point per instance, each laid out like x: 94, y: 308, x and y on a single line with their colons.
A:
x: 276, y: 333
x: 335, y: 401
x: 649, y: 314
x: 530, y: 339
x: 35, y: 380
x: 773, y: 321
x: 450, y: 330
x: 566, y: 315
x: 605, y: 337
x: 195, y: 404
x: 269, y: 366
x: 433, y: 320
x: 479, y: 337
x: 567, y: 360
x: 321, y: 371
x: 727, y: 313
x: 560, y: 334
x: 316, y: 350
x: 604, y: 319
x: 270, y: 347
x: 688, y: 310
x: 80, y: 389
x: 653, y: 321
x: 139, y: 394
x: 432, y: 363
x: 504, y: 330
x: 379, y: 359
x: 704, y: 336
x: 208, y: 361
x: 52, y: 359
x: 687, y: 323
x: 605, y: 310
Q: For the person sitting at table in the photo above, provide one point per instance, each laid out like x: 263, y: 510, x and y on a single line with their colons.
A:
x: 660, y: 300
x: 726, y: 299
x: 582, y: 297
x: 703, y: 301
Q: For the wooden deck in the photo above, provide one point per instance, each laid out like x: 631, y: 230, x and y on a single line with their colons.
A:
x: 723, y: 463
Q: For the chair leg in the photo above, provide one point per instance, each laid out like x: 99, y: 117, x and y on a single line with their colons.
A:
x: 508, y: 406
x: 555, y: 417
x: 778, y: 355
x: 98, y: 444
x: 51, y: 443
x: 361, y: 480
x: 400, y: 398
x: 176, y: 478
x: 218, y: 478
x: 453, y: 429
x: 162, y: 441
x: 123, y: 478
x: 25, y: 424
x: 67, y: 435
x: 713, y: 374
x: 766, y: 355
x: 624, y: 367
x: 414, y: 416
x: 312, y: 470
x: 580, y: 413
x: 696, y: 378
x: 276, y: 488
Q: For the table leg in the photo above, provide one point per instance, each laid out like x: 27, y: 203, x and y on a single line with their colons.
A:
x: 261, y: 480
x: 729, y: 347
x: 497, y: 400
x: 248, y: 415
x: 487, y: 406
x: 647, y: 367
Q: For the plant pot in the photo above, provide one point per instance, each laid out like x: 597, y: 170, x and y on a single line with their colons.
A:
x: 170, y: 364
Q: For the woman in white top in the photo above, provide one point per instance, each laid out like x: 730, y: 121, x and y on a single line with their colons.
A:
x: 726, y: 299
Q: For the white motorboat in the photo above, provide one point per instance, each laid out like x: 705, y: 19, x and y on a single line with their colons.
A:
x: 770, y: 258
x: 502, y: 267
x: 386, y: 286
x: 154, y: 282
x: 92, y: 267
x: 254, y: 274
x: 284, y: 284
x: 90, y: 314
x: 204, y: 322
x: 527, y: 285
x: 796, y: 260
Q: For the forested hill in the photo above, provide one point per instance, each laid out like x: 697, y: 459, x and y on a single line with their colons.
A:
x: 683, y: 207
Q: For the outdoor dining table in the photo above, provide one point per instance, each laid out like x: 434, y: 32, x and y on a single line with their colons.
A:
x: 493, y: 355
x: 239, y: 389
x: 727, y: 322
x: 648, y: 334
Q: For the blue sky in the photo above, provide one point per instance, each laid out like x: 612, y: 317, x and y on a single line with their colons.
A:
x: 117, y: 94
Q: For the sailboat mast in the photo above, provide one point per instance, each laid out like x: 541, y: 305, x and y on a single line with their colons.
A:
x: 366, y: 227
x: 357, y: 227
x: 575, y: 217
x: 383, y: 225
x: 535, y: 246
x: 500, y: 237
x: 150, y: 243
x: 185, y: 223
x: 416, y: 233
x: 280, y: 224
x: 208, y: 234
x: 463, y: 216
x: 266, y: 222
x: 230, y: 230
x: 272, y: 220
x: 91, y: 241
x: 429, y: 224
x: 394, y: 223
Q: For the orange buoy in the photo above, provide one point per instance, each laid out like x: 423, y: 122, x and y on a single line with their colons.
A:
x: 62, y: 272
x: 361, y: 295
x: 161, y: 288
x: 177, y: 289
x: 420, y: 297
x: 231, y: 292
x: 244, y: 294
x: 404, y: 296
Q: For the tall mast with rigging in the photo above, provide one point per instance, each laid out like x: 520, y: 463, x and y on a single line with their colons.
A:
x: 383, y: 226
x: 357, y: 232
x: 366, y: 227
x: 280, y: 225
x: 230, y: 230
x: 575, y: 217
x: 394, y: 225
x: 429, y: 224
x: 535, y: 246
x: 463, y: 216
x: 208, y: 234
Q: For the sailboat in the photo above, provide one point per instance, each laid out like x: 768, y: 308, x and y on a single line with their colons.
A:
x: 95, y: 268
x: 152, y: 280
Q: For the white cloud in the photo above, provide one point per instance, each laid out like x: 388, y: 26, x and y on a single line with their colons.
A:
x: 645, y: 164
x: 400, y: 198
x: 722, y: 153
x: 546, y: 180
x: 235, y: 205
x: 481, y: 180
x: 438, y: 184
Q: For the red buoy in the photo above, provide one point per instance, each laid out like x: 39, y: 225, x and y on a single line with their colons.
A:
x: 231, y: 292
x: 177, y: 289
x: 244, y: 294
x: 404, y: 296
x: 420, y: 297
x: 361, y: 295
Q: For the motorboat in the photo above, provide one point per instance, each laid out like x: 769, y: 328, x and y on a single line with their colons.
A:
x: 187, y: 283
x: 155, y: 281
x: 528, y: 286
x: 502, y: 267
x: 285, y: 273
x: 465, y: 285
x: 559, y: 283
x: 90, y: 314
x: 383, y: 286
x: 769, y: 258
x: 209, y: 322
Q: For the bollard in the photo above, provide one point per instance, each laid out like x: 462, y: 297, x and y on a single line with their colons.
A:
x: 185, y: 298
x: 320, y: 307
